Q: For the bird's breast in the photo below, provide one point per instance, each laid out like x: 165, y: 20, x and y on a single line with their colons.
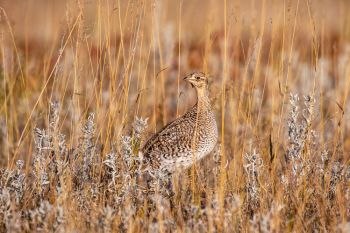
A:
x: 208, y: 135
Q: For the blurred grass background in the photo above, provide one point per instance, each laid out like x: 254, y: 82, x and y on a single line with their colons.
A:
x: 124, y: 58
x: 92, y: 53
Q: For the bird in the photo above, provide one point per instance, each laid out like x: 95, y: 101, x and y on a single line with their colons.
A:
x: 188, y: 138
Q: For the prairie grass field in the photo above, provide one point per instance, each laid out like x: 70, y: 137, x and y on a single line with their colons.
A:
x: 84, y: 83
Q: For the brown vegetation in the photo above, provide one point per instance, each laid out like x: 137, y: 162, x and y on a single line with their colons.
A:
x: 75, y: 75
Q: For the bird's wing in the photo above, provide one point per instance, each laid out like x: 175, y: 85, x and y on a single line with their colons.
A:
x: 173, y: 133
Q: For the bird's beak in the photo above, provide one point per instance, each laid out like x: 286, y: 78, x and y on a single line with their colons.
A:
x: 188, y: 78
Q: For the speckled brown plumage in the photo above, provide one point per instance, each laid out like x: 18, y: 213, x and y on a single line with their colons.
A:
x: 188, y: 138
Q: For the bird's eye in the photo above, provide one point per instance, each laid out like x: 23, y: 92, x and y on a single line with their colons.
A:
x: 197, y: 78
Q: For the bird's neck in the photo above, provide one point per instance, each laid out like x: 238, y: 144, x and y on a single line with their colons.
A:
x: 203, y: 101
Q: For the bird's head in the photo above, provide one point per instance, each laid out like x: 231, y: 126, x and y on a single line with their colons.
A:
x: 198, y: 80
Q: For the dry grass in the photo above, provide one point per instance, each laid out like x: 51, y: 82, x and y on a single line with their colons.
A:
x: 76, y: 74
